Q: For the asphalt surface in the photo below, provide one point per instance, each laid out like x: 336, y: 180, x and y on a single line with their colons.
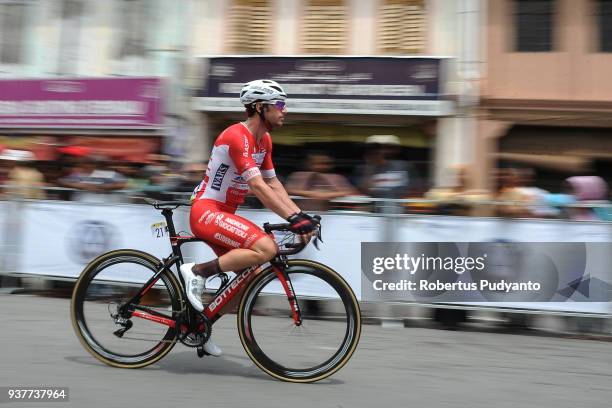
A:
x: 407, y: 367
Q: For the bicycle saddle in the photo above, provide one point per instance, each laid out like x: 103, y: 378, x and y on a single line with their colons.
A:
x: 166, y: 204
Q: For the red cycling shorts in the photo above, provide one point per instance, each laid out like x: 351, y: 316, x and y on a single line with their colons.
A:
x: 223, y: 230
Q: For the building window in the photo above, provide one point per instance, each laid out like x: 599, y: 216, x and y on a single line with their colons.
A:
x: 401, y: 28
x: 250, y: 25
x: 71, y: 13
x: 604, y: 17
x: 324, y: 27
x: 12, y: 31
x: 134, y: 20
x: 534, y: 25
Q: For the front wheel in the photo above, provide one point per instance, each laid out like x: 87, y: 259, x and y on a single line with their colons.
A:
x: 327, y: 336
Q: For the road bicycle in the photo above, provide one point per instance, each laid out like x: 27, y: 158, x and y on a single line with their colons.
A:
x: 298, y: 320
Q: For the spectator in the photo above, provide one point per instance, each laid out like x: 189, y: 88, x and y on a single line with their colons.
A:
x: 135, y: 180
x: 95, y: 181
x: 192, y: 175
x: 156, y: 186
x: 318, y: 184
x: 383, y: 176
x: 69, y: 160
x: 162, y: 180
x: 525, y: 200
x: 534, y: 197
x: 459, y: 199
x: 4, y: 170
x: 583, y: 190
x: 511, y: 191
x: 21, y: 178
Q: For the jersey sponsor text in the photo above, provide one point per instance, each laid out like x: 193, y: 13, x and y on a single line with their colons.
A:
x: 219, y: 175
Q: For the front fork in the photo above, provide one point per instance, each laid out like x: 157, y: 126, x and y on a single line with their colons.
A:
x: 280, y: 268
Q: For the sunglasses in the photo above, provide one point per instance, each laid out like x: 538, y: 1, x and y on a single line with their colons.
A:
x: 280, y: 105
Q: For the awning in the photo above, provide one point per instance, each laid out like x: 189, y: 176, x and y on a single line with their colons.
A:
x: 563, y: 163
x: 410, y: 136
x: 562, y: 149
x: 43, y: 147
x: 133, y: 149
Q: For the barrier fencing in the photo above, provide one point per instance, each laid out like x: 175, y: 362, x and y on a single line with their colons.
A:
x: 56, y: 239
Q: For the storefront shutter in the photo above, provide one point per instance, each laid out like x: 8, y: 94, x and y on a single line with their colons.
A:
x: 250, y: 23
x: 324, y: 28
x: 402, y: 27
x: 12, y: 31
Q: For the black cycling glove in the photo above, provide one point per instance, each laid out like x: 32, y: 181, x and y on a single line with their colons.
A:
x: 302, y: 223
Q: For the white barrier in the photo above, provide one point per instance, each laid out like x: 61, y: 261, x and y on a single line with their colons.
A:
x: 10, y: 236
x: 471, y: 229
x: 60, y: 238
x: 4, y: 212
x: 342, y: 236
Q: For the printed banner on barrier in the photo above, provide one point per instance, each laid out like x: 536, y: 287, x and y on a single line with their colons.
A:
x: 59, y: 239
x: 486, y: 271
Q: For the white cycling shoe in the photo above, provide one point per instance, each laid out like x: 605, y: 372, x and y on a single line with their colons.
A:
x: 194, y: 286
x: 211, y: 348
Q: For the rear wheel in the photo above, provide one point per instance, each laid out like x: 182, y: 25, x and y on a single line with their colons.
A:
x: 327, y: 336
x: 110, y: 281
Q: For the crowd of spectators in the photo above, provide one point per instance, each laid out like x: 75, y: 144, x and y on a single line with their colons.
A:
x: 80, y: 174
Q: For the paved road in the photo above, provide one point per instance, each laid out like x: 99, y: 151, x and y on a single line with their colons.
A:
x: 407, y: 367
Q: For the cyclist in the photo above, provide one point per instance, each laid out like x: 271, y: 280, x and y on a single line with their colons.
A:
x: 241, y: 160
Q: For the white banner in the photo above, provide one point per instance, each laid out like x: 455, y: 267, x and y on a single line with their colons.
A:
x: 10, y: 236
x: 59, y: 238
x: 342, y: 236
x: 4, y: 252
x: 472, y: 229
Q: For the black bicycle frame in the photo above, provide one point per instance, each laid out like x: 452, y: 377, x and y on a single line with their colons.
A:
x: 227, y: 290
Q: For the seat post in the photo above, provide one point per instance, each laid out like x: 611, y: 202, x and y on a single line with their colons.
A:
x: 176, y: 250
x: 167, y: 213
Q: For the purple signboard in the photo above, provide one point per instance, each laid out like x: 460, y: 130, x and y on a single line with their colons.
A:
x: 389, y: 78
x: 320, y: 84
x: 112, y: 103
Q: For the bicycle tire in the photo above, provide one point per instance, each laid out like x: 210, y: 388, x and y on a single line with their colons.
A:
x: 261, y: 355
x: 79, y: 318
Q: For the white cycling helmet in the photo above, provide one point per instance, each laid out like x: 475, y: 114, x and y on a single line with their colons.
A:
x: 261, y: 90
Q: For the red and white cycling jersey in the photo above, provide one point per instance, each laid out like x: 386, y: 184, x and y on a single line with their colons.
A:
x: 235, y: 159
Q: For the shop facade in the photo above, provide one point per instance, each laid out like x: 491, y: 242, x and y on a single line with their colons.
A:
x: 334, y: 104
x: 547, y: 108
x: 118, y: 118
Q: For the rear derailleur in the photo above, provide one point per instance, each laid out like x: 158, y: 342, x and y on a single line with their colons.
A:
x: 119, y: 319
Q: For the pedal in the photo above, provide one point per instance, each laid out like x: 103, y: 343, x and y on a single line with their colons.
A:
x: 201, y: 352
